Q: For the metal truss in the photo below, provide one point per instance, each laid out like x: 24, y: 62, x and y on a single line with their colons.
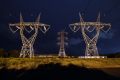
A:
x: 91, y: 48
x: 27, y: 47
x: 62, y: 43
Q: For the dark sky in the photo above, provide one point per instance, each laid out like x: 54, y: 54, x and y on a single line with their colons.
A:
x: 59, y: 14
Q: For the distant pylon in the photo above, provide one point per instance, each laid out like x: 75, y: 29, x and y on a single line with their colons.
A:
x: 27, y: 47
x: 62, y: 43
x: 91, y: 48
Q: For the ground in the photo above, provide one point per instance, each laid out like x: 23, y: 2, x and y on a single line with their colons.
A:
x: 19, y: 63
x: 110, y: 66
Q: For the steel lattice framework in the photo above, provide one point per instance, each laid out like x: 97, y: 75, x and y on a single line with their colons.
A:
x: 62, y: 43
x: 91, y: 48
x: 27, y: 47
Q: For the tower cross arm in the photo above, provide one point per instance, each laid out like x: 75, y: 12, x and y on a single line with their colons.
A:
x: 42, y: 24
x: 105, y: 24
x: 29, y: 24
x: 16, y: 24
x: 90, y: 24
x: 75, y: 24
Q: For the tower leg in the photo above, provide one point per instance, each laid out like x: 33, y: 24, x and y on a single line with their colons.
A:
x: 27, y: 51
x: 91, y: 48
x: 27, y: 48
x: 62, y: 53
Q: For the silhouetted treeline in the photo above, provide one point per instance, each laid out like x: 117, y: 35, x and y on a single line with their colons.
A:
x: 11, y: 53
x: 115, y: 55
x: 112, y: 55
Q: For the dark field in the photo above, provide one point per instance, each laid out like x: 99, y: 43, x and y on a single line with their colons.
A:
x: 59, y: 69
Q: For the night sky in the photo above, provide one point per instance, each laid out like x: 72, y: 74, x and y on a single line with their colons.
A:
x: 59, y: 14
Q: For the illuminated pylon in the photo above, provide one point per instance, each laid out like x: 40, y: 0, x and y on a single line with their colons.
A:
x: 91, y: 48
x: 62, y: 43
x: 27, y: 47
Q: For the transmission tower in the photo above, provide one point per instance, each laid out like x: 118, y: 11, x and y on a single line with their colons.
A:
x: 27, y: 47
x: 62, y: 43
x: 91, y: 48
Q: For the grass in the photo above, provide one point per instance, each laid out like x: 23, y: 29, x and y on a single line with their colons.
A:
x: 26, y: 63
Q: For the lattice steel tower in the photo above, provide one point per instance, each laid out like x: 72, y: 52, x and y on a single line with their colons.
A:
x: 91, y: 48
x: 62, y: 43
x: 27, y: 47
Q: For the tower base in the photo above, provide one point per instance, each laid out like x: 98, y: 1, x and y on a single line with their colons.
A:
x: 92, y: 57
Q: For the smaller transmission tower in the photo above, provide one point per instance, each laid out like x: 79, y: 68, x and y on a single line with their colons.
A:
x: 91, y: 48
x: 27, y: 47
x: 62, y: 43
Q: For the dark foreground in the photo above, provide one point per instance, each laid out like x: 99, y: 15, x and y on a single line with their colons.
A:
x: 55, y: 72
